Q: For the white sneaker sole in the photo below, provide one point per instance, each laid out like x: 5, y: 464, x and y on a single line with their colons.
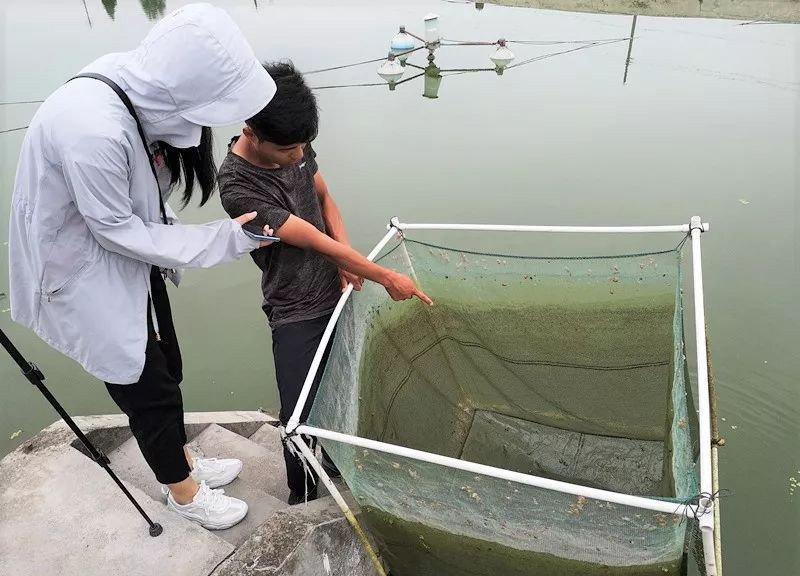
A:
x: 210, y: 525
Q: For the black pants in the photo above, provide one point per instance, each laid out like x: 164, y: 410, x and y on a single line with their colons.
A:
x: 293, y: 347
x: 154, y: 404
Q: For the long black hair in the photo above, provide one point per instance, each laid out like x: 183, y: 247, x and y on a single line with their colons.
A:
x: 192, y: 165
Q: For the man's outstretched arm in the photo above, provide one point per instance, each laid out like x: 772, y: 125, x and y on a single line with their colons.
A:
x: 298, y: 232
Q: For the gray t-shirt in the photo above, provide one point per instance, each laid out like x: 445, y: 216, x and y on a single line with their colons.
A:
x: 298, y: 284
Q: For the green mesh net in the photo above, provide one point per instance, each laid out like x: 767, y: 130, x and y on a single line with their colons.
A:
x: 565, y: 368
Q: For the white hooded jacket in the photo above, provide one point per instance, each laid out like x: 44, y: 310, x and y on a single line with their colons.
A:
x: 85, y: 224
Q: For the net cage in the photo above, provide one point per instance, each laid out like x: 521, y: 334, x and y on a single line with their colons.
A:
x: 537, y: 419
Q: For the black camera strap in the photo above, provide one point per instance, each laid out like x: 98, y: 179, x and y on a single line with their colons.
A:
x: 127, y: 101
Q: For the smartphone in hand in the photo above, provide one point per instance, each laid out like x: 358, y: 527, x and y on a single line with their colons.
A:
x: 258, y: 235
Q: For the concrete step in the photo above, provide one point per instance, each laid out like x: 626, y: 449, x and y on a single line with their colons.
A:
x: 213, y: 442
x: 301, y: 540
x: 263, y: 458
x: 273, y: 471
x: 60, y: 504
x: 129, y: 464
x: 60, y: 513
x: 218, y: 442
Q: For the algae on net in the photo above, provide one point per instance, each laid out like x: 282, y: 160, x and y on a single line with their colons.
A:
x: 560, y: 370
x: 413, y: 549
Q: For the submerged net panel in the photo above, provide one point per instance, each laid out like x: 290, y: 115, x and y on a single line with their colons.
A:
x: 433, y: 520
x: 564, y: 368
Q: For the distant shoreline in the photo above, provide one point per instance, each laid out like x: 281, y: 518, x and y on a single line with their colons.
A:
x: 785, y: 11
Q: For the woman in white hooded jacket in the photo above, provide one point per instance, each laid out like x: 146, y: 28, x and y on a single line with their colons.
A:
x: 91, y: 237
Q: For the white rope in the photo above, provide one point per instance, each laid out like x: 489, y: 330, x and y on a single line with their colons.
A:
x: 297, y: 453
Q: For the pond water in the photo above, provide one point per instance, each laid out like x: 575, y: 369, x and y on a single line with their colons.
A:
x: 706, y: 122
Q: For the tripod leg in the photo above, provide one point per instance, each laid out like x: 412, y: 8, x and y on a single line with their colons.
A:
x: 35, y: 377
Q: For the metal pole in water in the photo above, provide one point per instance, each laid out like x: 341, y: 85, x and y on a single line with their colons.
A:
x: 630, y: 48
x: 716, y: 442
x: 35, y: 377
x: 86, y: 9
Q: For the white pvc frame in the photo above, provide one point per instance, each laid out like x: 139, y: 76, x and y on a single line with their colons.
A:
x: 705, y: 507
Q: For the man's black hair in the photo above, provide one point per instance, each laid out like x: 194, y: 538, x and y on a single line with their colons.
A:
x: 193, y: 164
x: 291, y: 117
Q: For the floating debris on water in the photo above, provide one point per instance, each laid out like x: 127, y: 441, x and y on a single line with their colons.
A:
x: 15, y: 434
x: 744, y: 202
x: 661, y: 520
x: 577, y: 507
x: 424, y: 544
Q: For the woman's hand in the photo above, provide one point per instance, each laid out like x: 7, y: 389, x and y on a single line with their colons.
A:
x: 245, y: 218
x: 401, y: 287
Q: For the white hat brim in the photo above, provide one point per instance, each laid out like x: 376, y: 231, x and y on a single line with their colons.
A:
x: 241, y: 103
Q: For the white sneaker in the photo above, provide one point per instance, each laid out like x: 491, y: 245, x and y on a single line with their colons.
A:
x: 211, y: 508
x: 216, y: 472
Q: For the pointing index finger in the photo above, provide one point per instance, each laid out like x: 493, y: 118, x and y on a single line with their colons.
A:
x: 422, y: 296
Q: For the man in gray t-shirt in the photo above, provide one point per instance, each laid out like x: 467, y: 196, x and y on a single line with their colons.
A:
x: 271, y: 169
x: 298, y: 284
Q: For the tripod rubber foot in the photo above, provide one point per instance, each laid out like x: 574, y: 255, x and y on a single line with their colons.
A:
x: 156, y: 530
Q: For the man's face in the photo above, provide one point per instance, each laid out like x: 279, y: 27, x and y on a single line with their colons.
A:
x: 282, y: 155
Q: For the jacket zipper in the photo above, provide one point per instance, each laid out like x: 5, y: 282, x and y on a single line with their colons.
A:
x: 67, y: 282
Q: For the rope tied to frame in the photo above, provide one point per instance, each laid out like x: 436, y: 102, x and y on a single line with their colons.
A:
x: 286, y: 440
x: 693, y: 227
x: 694, y: 505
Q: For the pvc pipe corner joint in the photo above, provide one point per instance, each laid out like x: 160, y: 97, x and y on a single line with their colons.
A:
x: 697, y: 223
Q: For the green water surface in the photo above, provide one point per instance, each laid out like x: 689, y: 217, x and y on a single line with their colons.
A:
x: 707, y: 123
